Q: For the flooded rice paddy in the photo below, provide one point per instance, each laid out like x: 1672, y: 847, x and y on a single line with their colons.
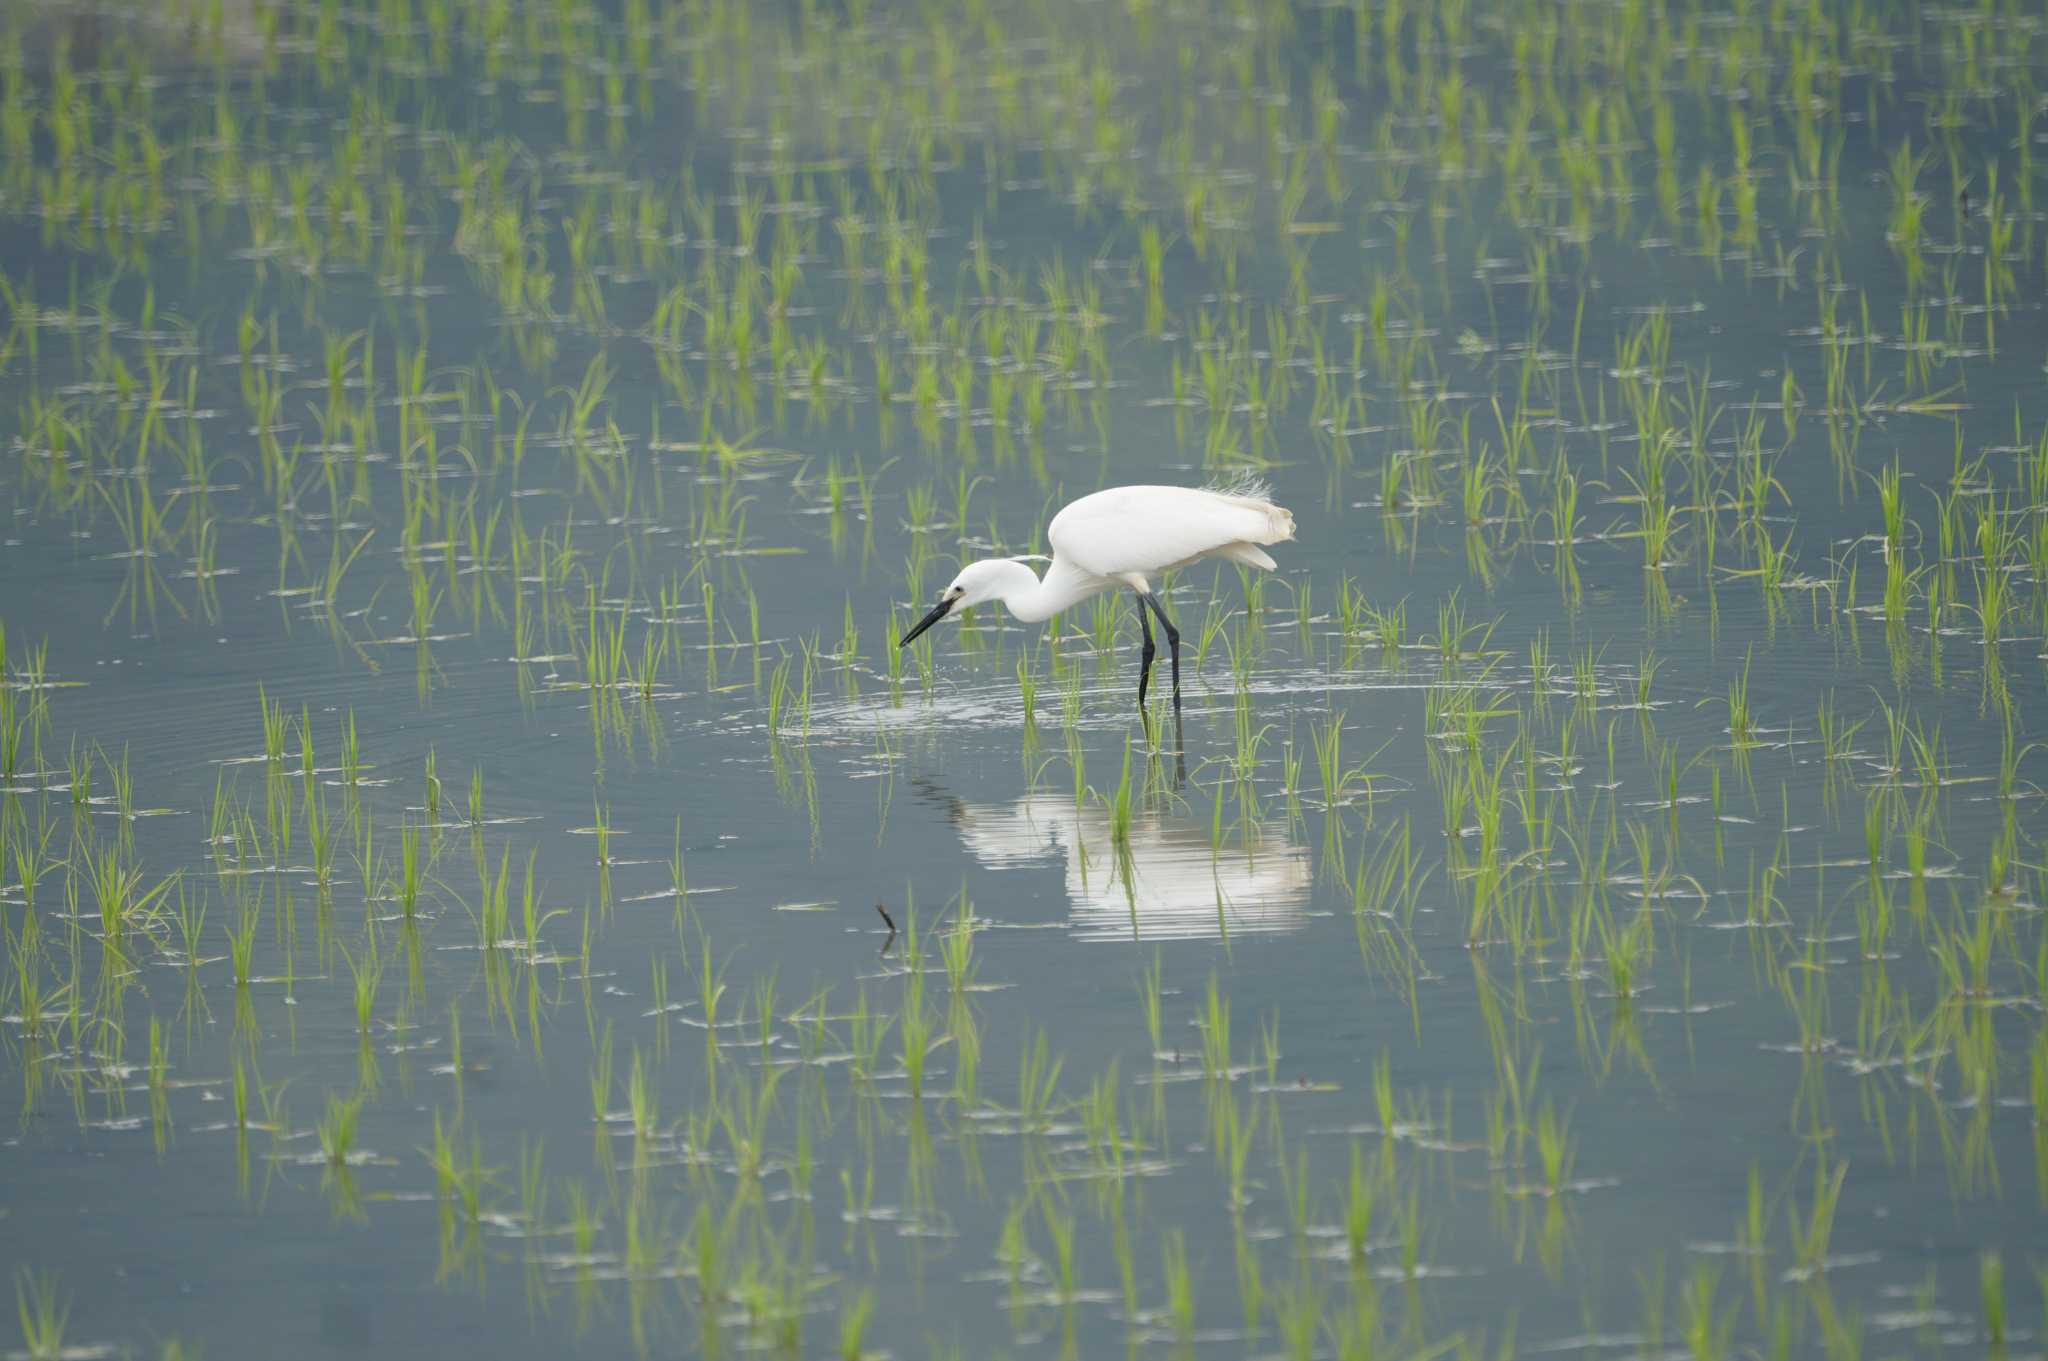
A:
x: 478, y: 875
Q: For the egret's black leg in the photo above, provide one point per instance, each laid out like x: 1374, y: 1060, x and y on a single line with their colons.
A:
x: 1144, y: 657
x: 1172, y: 645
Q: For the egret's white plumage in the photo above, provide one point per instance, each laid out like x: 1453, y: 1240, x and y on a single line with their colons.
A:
x: 1134, y: 532
x: 1125, y: 536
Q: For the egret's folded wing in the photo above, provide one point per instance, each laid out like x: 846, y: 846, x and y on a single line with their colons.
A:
x: 1140, y: 530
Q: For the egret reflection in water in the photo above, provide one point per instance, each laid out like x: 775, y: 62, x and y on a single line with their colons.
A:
x: 1169, y: 885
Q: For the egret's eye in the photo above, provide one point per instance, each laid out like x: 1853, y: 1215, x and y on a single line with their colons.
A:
x: 955, y: 592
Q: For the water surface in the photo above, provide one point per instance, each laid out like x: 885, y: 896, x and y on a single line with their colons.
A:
x: 466, y: 469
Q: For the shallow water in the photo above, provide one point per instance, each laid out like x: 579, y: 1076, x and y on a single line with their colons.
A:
x: 465, y: 473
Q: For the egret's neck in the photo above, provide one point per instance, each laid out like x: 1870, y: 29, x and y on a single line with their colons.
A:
x: 1033, y: 600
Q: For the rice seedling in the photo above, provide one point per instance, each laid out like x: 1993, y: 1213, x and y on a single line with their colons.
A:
x: 461, y: 1179
x: 1812, y: 1231
x: 274, y: 727
x: 411, y: 866
x: 1991, y: 1295
x: 242, y: 941
x: 337, y: 1129
x: 44, y: 1312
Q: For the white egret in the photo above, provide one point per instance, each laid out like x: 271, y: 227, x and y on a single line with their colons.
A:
x: 1125, y: 536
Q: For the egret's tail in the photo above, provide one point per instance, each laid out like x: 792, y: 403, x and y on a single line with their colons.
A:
x: 1280, y: 523
x: 1255, y: 492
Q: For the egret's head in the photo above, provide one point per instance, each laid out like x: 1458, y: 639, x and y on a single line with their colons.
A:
x: 989, y: 579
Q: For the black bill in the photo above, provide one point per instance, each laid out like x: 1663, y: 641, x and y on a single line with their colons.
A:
x: 938, y: 613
